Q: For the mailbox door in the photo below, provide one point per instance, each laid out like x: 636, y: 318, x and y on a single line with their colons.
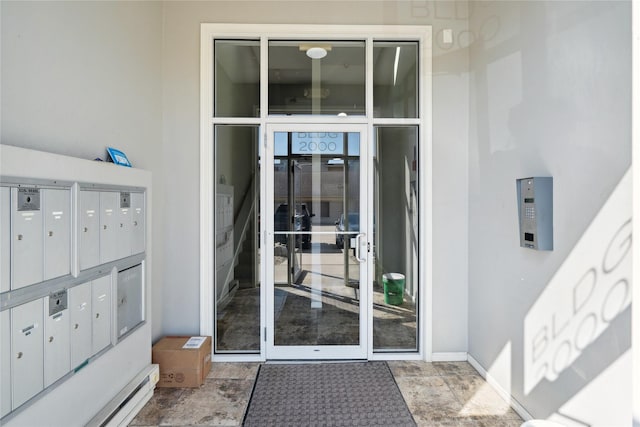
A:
x: 124, y: 226
x: 80, y: 318
x: 27, y: 238
x: 57, y: 232
x: 5, y: 363
x: 137, y: 223
x: 130, y: 299
x: 109, y: 224
x: 5, y: 239
x: 101, y: 308
x: 27, y: 351
x: 57, y: 353
x: 89, y: 232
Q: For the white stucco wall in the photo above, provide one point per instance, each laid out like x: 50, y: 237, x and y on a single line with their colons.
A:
x: 181, y: 59
x: 77, y: 77
x: 550, y: 96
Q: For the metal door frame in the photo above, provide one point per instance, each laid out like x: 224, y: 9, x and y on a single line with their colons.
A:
x: 208, y: 121
x: 272, y: 351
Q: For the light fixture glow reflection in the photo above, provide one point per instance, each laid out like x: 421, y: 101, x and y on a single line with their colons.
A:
x: 395, y: 65
x: 316, y: 52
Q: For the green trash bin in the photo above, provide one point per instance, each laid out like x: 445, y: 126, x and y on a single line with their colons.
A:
x: 393, y: 284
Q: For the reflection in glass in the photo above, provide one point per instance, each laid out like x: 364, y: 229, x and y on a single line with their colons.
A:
x: 334, y: 84
x: 237, y: 256
x: 395, y: 291
x: 316, y: 274
x: 237, y: 78
x: 395, y: 79
x: 321, y: 306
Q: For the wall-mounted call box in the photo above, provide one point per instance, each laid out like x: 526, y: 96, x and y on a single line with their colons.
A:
x: 535, y: 212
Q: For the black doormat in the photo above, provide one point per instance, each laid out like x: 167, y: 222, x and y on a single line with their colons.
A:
x: 327, y: 394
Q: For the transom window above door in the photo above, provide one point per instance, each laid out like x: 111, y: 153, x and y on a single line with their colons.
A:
x: 316, y: 77
x: 309, y: 77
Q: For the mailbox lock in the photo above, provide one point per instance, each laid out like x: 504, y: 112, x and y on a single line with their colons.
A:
x: 104, y: 227
x: 51, y: 234
x: 85, y: 229
x: 50, y: 339
x: 135, y: 223
x: 19, y: 355
x: 121, y: 225
x: 97, y: 315
x: 19, y: 236
x: 76, y: 326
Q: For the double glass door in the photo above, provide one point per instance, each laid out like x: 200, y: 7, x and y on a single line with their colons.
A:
x: 317, y: 241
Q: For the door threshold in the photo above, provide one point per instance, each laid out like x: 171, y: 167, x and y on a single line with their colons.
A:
x: 313, y: 361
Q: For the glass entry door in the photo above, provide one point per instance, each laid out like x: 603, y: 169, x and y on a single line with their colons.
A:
x: 316, y: 254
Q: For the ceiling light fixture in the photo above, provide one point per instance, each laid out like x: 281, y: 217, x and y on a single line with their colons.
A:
x: 315, y: 51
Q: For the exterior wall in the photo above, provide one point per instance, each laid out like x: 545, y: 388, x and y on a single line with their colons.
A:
x: 550, y: 96
x: 181, y: 58
x: 78, y: 77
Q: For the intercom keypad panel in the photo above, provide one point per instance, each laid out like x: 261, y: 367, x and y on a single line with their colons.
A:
x: 529, y: 212
x: 535, y: 212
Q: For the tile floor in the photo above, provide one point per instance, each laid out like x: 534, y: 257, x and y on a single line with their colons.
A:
x: 438, y: 394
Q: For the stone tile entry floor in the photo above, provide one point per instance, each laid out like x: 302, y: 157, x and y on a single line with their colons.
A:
x: 438, y: 394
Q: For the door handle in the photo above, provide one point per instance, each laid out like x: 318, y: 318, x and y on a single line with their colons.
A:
x: 358, y: 245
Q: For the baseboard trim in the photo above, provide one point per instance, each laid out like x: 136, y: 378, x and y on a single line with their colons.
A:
x: 520, y: 410
x: 449, y: 357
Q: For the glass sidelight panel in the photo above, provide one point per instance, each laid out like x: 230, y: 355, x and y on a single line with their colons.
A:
x: 316, y: 272
x: 396, y: 256
x: 237, y: 227
x: 395, y: 79
x: 317, y: 77
x: 237, y: 78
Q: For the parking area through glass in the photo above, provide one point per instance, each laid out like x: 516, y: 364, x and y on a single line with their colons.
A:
x: 316, y: 225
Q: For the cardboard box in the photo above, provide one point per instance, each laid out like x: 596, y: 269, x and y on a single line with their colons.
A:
x: 184, y: 361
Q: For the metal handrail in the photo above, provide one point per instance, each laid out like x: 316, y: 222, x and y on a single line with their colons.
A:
x: 244, y: 217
